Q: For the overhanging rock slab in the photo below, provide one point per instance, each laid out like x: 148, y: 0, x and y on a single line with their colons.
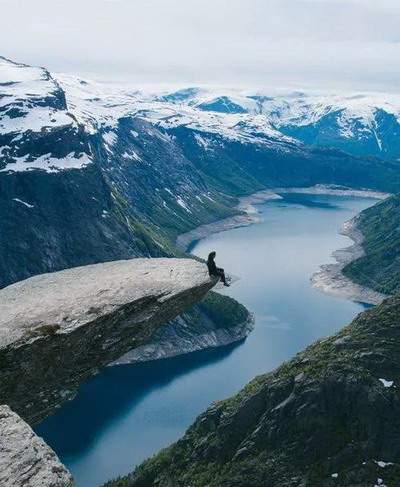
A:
x: 58, y: 329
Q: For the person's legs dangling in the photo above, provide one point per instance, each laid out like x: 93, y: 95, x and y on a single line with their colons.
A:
x: 221, y: 274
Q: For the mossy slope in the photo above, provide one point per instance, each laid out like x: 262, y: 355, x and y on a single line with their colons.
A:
x: 324, y: 412
x: 379, y: 268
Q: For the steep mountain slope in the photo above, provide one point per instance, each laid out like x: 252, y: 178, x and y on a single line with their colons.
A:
x: 70, y: 196
x: 328, y: 417
x: 56, y: 209
x: 379, y: 268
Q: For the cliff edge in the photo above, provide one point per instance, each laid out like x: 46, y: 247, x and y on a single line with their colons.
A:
x: 58, y: 329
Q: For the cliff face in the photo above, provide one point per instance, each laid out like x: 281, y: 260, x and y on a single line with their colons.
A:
x: 25, y: 459
x: 328, y: 417
x: 57, y: 329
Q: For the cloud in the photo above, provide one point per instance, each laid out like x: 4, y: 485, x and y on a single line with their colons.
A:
x: 350, y: 44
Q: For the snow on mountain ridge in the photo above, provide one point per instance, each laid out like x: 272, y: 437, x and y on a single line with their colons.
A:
x: 103, y: 104
x: 36, y: 129
x: 34, y: 101
x: 99, y: 105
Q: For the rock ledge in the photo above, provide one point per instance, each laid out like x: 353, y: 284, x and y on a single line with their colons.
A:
x: 58, y: 329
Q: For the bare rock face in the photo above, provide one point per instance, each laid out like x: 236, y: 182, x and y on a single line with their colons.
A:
x: 25, y: 459
x: 58, y: 329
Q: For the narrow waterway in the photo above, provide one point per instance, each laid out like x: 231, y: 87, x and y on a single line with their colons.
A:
x: 128, y: 413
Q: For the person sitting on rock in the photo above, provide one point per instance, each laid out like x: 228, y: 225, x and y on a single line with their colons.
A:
x: 213, y: 270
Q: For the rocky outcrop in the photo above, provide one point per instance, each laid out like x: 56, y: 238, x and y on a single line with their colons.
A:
x: 25, y: 459
x: 58, y: 329
x: 328, y: 417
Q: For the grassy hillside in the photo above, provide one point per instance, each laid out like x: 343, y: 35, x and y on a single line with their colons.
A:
x: 379, y: 268
x: 328, y: 417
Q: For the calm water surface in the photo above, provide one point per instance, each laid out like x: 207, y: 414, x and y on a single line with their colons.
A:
x: 127, y: 413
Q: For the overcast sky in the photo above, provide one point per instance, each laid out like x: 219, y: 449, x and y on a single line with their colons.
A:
x: 323, y: 44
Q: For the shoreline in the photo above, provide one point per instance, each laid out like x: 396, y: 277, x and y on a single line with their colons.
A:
x: 177, y: 339
x: 329, y: 278
x: 248, y: 217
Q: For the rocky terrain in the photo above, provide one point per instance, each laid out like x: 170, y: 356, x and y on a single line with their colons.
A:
x: 93, y: 172
x: 328, y: 417
x: 25, y: 459
x: 58, y: 329
x: 358, y: 123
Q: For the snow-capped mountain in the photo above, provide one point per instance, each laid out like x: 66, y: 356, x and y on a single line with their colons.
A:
x: 95, y: 171
x: 36, y: 130
x: 361, y: 124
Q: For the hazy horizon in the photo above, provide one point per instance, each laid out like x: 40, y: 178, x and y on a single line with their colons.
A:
x: 323, y: 45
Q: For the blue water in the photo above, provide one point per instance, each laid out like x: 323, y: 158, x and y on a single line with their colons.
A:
x: 127, y: 413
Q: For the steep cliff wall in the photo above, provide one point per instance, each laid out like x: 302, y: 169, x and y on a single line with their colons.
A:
x: 214, y: 322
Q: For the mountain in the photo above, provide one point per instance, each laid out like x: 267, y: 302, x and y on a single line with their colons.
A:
x: 360, y: 124
x: 91, y: 172
x: 379, y: 267
x: 72, y: 194
x: 328, y: 417
x: 76, y: 192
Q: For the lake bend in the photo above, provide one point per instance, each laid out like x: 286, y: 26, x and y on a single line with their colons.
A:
x: 128, y: 412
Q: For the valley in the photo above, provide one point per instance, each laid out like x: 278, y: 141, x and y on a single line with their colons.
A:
x: 146, y: 406
x: 104, y: 174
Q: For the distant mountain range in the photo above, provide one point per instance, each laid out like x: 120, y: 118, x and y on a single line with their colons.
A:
x: 92, y: 171
x: 360, y: 124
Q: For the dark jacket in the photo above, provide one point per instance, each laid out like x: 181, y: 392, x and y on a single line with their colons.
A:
x: 212, y: 268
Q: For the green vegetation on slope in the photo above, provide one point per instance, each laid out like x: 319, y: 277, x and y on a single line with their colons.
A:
x: 379, y: 268
x: 224, y: 311
x: 325, y: 418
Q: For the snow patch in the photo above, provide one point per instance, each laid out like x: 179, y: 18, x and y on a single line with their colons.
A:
x: 110, y: 138
x: 383, y: 464
x: 23, y: 203
x: 131, y: 155
x: 48, y: 163
x: 182, y: 203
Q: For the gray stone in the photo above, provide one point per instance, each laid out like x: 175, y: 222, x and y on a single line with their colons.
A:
x: 58, y: 329
x: 25, y: 459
